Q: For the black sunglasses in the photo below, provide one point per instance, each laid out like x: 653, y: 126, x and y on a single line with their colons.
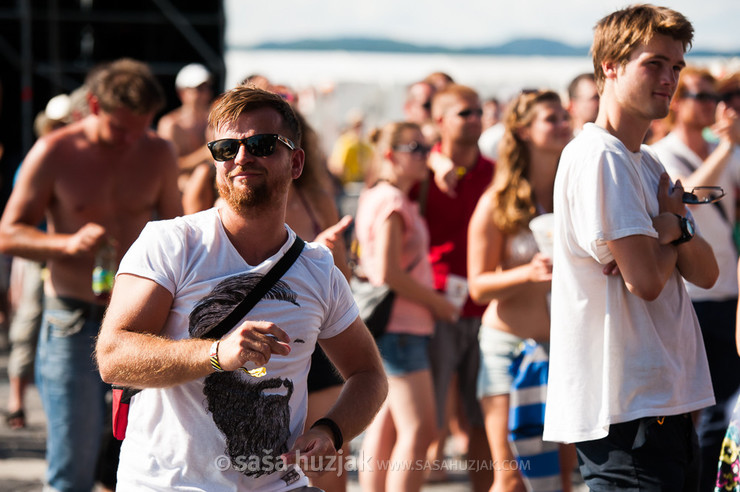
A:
x: 260, y: 145
x: 701, y: 96
x: 727, y: 96
x: 703, y: 194
x: 413, y: 147
x: 467, y: 112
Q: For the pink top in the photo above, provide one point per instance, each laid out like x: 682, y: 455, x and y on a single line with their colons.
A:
x: 375, y: 205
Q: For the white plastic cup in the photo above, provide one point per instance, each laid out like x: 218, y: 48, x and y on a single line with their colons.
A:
x: 543, y: 227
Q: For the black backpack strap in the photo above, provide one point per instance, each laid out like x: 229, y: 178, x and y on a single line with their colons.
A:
x: 258, y: 292
x: 126, y: 392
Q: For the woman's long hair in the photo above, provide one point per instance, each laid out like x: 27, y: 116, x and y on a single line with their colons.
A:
x: 514, y: 204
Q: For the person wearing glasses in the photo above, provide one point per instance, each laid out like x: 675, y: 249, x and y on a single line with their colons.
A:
x: 729, y: 91
x: 228, y: 413
x: 507, y: 272
x: 458, y: 176
x: 393, y: 246
x: 312, y: 213
x: 95, y: 181
x: 689, y: 157
x: 627, y: 360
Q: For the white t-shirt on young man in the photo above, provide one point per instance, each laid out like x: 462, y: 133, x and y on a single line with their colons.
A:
x: 177, y: 436
x: 614, y: 357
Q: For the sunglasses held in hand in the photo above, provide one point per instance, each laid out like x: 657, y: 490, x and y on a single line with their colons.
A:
x: 703, y: 194
x: 260, y: 145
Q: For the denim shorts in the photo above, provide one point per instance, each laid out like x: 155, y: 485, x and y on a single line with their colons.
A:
x: 403, y: 353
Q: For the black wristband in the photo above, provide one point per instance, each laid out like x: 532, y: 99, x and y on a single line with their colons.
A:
x: 335, y: 430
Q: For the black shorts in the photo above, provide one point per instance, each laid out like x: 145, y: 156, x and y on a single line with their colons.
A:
x: 648, y: 454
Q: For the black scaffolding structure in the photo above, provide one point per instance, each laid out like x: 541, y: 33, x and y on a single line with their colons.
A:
x: 48, y: 46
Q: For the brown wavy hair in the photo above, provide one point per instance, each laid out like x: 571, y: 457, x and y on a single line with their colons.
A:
x: 514, y: 203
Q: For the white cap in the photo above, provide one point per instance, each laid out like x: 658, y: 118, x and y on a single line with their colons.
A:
x: 191, y: 76
x: 58, y: 108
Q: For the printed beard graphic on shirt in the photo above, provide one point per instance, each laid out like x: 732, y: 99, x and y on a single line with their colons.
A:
x: 252, y: 413
x: 254, y: 418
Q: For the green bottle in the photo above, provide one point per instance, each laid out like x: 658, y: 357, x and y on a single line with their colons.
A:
x: 104, y: 270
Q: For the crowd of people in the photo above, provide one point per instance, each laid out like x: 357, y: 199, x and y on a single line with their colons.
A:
x: 601, y: 348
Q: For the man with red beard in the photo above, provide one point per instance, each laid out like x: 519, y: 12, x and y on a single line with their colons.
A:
x: 200, y: 399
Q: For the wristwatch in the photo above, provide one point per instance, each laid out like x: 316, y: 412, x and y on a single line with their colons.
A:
x: 687, y: 230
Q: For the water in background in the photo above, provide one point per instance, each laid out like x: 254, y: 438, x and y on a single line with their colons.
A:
x: 331, y: 84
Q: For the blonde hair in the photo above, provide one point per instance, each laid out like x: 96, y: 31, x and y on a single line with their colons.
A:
x: 514, y: 203
x: 617, y: 35
x: 383, y: 140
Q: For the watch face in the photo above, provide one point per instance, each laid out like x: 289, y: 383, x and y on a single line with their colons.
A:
x: 690, y: 227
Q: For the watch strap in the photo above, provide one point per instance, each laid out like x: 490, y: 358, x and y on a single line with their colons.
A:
x: 686, y: 235
x: 335, y: 430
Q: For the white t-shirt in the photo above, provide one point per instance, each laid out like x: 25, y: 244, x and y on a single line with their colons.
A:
x: 716, y: 230
x: 177, y: 437
x: 614, y: 357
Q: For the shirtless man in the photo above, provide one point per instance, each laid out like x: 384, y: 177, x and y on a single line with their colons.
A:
x: 186, y: 126
x: 95, y: 181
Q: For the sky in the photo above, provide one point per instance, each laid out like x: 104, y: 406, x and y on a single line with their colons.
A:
x: 459, y: 23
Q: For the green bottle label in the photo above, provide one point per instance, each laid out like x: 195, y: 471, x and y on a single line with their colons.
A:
x: 102, y: 280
